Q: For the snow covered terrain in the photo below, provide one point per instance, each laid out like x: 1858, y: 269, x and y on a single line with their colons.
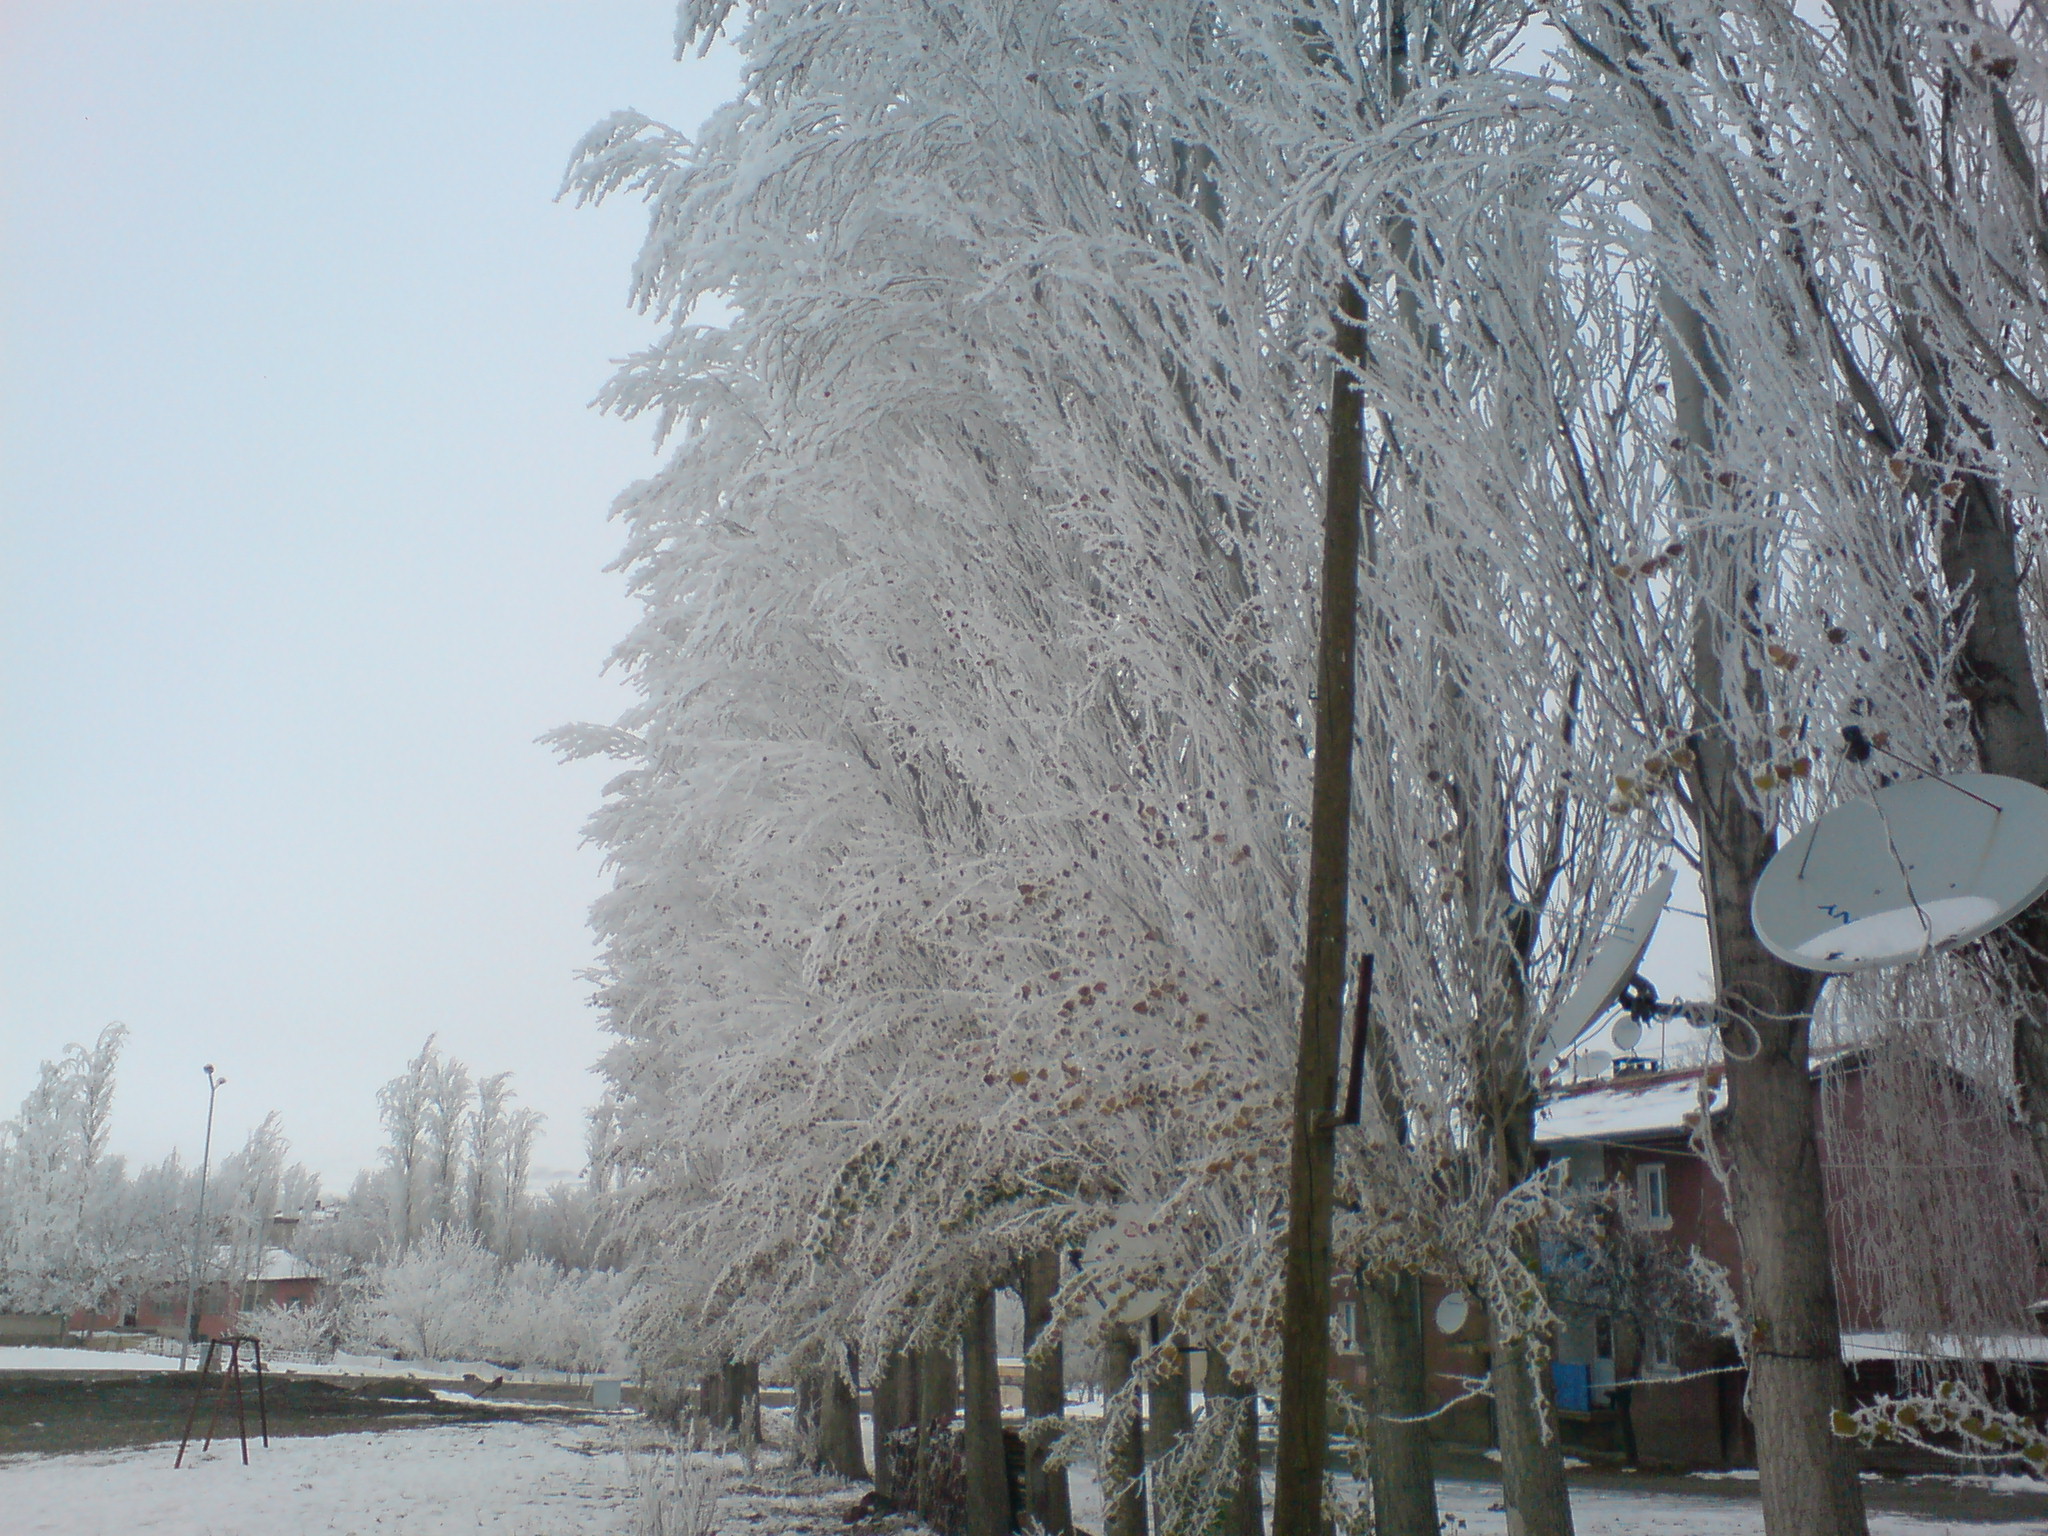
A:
x: 518, y: 1479
x: 534, y: 1479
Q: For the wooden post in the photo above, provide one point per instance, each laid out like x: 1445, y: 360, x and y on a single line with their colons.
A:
x: 1311, y: 1172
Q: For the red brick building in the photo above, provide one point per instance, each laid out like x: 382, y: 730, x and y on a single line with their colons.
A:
x: 1682, y: 1400
x: 274, y: 1276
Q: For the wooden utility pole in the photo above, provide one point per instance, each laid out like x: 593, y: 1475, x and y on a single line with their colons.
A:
x: 1311, y: 1176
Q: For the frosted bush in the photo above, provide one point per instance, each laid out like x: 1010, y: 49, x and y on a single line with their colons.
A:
x: 305, y: 1330
x: 678, y: 1496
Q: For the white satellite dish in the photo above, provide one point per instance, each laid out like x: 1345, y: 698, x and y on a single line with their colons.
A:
x: 1453, y: 1312
x: 1130, y: 1239
x: 1920, y: 865
x: 1615, y: 959
x: 1627, y: 1034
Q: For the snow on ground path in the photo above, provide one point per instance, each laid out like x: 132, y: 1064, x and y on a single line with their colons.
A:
x: 1618, y: 1512
x: 511, y: 1479
x: 49, y: 1357
x: 1473, y: 1509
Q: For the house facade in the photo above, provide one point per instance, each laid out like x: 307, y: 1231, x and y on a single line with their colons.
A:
x: 1630, y: 1382
x: 272, y: 1276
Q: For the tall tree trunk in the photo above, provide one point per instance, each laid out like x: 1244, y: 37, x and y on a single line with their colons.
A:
x: 1806, y: 1473
x: 1244, y: 1514
x: 1122, y: 1473
x: 895, y: 1409
x: 711, y: 1410
x: 1995, y: 672
x: 839, y: 1422
x: 1172, y: 1417
x: 804, y: 1421
x: 741, y: 1400
x: 1173, y: 1410
x: 1045, y: 1392
x: 1525, y: 1417
x: 1403, y: 1469
x: 988, y: 1479
x: 1531, y: 1455
x: 1311, y: 1173
x: 1979, y: 552
x: 937, y: 1394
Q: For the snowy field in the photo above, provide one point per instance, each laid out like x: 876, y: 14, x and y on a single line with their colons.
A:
x: 43, y: 1357
x: 520, y: 1479
x: 554, y: 1479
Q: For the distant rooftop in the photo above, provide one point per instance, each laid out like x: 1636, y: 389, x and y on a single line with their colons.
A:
x: 283, y: 1264
x: 1624, y: 1108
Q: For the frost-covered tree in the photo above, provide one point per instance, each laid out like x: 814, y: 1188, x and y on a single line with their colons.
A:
x: 456, y: 1156
x: 58, y: 1188
x: 974, y: 648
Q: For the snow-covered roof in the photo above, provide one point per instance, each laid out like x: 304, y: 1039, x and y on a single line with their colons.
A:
x: 283, y: 1264
x: 1895, y: 1346
x: 1654, y: 1103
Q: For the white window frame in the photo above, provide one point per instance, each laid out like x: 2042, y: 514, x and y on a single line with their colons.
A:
x: 1660, y: 1349
x: 1653, y: 1195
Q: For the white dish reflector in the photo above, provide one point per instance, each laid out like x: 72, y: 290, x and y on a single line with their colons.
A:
x: 1130, y: 1239
x: 1615, y: 958
x: 1453, y: 1312
x: 1921, y: 865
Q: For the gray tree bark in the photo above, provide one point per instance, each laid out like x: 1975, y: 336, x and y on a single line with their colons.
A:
x: 895, y: 1401
x: 1123, y: 1448
x: 988, y: 1480
x: 1244, y: 1515
x: 839, y: 1444
x: 1806, y: 1473
x: 740, y: 1400
x: 1979, y: 549
x: 1045, y: 1392
x: 937, y: 1395
x: 1311, y: 1176
x: 1531, y: 1464
x: 1172, y: 1394
x: 1403, y: 1470
x: 1171, y: 1420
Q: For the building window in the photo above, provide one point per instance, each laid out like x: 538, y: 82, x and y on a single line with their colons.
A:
x: 1660, y: 1349
x: 1349, y: 1342
x: 1653, y: 1195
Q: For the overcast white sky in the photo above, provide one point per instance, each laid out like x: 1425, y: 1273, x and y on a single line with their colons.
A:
x: 304, y: 528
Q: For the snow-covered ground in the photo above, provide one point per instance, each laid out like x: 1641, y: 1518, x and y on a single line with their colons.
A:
x: 517, y: 1479
x: 40, y: 1357
x: 553, y: 1479
x: 45, y: 1357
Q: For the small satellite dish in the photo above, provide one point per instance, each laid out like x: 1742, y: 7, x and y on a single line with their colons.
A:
x: 1627, y: 1034
x: 1131, y: 1239
x: 1918, y: 866
x: 1614, y: 961
x: 1453, y: 1312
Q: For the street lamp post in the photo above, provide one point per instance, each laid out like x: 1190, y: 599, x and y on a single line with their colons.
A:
x: 213, y: 1086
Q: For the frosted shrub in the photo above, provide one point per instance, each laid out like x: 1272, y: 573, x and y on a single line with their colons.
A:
x: 451, y: 1298
x: 438, y: 1301
x: 313, y: 1330
x: 678, y: 1496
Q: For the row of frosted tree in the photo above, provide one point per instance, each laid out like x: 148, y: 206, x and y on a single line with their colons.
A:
x: 79, y: 1229
x: 1658, y: 387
